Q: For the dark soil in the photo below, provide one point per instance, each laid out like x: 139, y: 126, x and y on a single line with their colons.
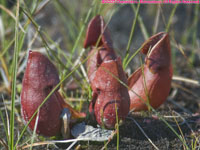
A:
x: 132, y: 138
x: 162, y: 136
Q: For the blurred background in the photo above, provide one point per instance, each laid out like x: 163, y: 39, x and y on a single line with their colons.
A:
x: 58, y: 27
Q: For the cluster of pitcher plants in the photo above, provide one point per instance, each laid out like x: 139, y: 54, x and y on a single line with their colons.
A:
x: 114, y: 93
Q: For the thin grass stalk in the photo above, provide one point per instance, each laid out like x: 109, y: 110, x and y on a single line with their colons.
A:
x: 7, y: 121
x: 82, y: 29
x: 70, y: 25
x: 132, y: 56
x: 3, y: 3
x: 100, y: 7
x: 67, y: 12
x: 2, y: 32
x: 117, y: 125
x: 194, y: 144
x: 6, y: 48
x: 43, y: 4
x: 156, y: 22
x: 60, y: 51
x: 29, y: 15
x: 4, y: 124
x: 3, y: 143
x: 145, y: 84
x: 187, y: 59
x: 11, y: 15
x: 141, y: 24
x: 105, y: 145
x: 179, y: 129
x: 171, y: 17
x: 13, y: 40
x: 194, y: 36
x: 35, y: 4
x: 137, y: 124
x: 131, y: 36
x: 4, y: 70
x: 34, y: 130
x: 14, y: 77
x: 169, y: 126
x: 95, y: 9
x: 42, y: 37
x: 167, y: 30
x: 22, y: 38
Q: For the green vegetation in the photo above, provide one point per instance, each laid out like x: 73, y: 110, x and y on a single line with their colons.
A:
x: 57, y: 28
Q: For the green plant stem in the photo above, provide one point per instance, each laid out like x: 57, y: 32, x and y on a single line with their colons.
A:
x: 68, y: 14
x: 134, y: 54
x: 145, y: 84
x: 4, y: 124
x: 141, y: 24
x: 171, y: 17
x: 14, y: 77
x: 81, y: 31
x: 131, y: 35
x: 194, y: 35
x: 117, y: 125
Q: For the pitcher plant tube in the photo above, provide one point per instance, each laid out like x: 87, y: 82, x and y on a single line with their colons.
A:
x: 105, y: 73
x: 39, y: 79
x: 151, y: 83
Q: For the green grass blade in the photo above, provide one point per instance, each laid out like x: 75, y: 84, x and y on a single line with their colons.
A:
x: 14, y: 77
x: 156, y: 21
x: 4, y: 124
x: 141, y: 24
x: 194, y: 35
x: 117, y: 125
x: 82, y: 29
x: 132, y: 56
x: 131, y: 36
x: 171, y: 17
x: 6, y: 48
x: 67, y: 13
